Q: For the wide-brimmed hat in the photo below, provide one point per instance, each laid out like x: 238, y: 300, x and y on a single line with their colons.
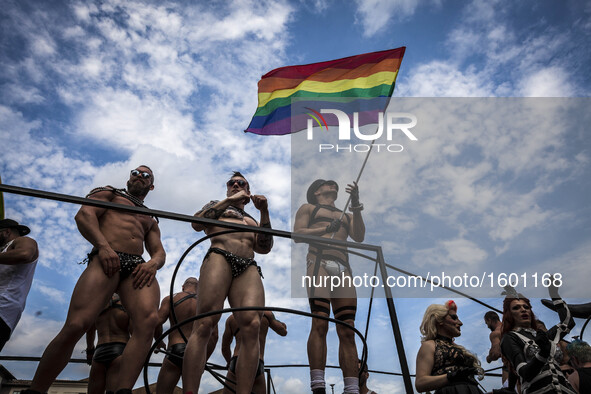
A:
x: 310, y: 196
x: 9, y: 223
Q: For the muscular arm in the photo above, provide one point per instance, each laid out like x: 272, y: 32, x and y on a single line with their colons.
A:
x: 425, y: 359
x: 90, y: 336
x: 215, y: 209
x: 357, y: 232
x: 495, y: 347
x: 87, y: 220
x: 278, y: 326
x: 301, y: 222
x: 357, y: 227
x: 227, y: 341
x: 163, y: 313
x: 263, y: 242
x: 22, y: 251
x: 144, y: 274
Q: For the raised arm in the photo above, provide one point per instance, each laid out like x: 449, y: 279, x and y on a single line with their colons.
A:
x: 215, y: 209
x: 357, y: 232
x: 263, y: 242
x: 22, y: 251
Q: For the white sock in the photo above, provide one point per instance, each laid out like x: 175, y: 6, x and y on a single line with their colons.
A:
x: 317, y: 379
x: 351, y: 385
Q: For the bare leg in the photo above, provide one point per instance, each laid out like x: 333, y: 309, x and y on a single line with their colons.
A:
x: 90, y: 295
x: 213, y: 340
x: 348, y: 358
x: 317, y: 342
x: 142, y: 306
x: 214, y: 282
x: 232, y: 377
x: 97, y: 378
x: 113, y: 375
x: 259, y: 385
x: 167, y: 378
x: 247, y: 290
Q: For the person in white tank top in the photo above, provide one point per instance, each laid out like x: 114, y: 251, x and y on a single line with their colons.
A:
x: 18, y: 259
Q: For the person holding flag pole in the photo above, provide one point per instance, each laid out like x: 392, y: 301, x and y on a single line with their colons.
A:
x: 365, y: 82
x: 320, y: 217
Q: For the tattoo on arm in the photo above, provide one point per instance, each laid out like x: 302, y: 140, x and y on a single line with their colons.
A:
x: 213, y: 213
x: 265, y: 241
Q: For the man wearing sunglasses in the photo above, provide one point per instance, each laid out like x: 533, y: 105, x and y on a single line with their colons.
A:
x: 320, y: 217
x: 114, y: 265
x: 229, y: 270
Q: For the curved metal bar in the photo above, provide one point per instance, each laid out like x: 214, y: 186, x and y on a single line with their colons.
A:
x: 257, y: 308
x: 178, y: 266
x: 583, y: 328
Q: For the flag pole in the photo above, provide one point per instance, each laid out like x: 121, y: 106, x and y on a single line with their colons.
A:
x: 356, y: 182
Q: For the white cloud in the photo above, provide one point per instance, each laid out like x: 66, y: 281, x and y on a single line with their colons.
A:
x: 547, y: 82
x: 52, y: 294
x: 441, y: 79
x: 375, y: 14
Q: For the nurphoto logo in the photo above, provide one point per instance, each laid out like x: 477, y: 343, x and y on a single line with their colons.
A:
x: 397, y: 124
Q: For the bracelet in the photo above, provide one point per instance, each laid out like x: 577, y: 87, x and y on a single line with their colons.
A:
x: 357, y: 208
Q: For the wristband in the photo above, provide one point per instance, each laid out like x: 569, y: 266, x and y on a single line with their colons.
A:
x: 357, y: 208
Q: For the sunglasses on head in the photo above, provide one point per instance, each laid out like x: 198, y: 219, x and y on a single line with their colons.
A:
x: 240, y: 182
x: 143, y: 174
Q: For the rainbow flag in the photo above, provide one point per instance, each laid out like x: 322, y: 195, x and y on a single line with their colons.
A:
x: 366, y: 76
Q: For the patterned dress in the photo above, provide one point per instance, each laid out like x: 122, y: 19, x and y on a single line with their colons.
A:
x: 449, y: 357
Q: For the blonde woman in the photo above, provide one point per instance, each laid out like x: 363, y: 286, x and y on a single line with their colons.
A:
x: 442, y: 365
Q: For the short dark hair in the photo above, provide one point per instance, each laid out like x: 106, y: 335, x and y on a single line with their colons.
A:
x: 491, y: 315
x: 238, y: 173
x: 143, y: 165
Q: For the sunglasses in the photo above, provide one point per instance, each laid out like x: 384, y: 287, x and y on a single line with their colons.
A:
x: 143, y: 174
x: 453, y: 317
x: 240, y: 182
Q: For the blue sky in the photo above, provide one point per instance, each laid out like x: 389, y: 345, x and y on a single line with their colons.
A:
x: 91, y: 90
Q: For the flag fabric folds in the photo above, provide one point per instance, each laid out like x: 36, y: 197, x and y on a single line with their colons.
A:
x: 369, y: 75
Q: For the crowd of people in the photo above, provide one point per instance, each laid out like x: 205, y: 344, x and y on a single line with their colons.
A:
x: 117, y: 299
x: 536, y: 360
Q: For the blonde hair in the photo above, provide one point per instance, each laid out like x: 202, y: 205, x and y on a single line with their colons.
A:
x: 434, y: 316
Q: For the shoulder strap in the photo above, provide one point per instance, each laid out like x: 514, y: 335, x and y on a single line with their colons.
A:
x: 184, y: 299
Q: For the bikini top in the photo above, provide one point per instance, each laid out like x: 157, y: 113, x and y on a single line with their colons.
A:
x: 314, y: 219
x: 231, y: 211
x: 188, y: 296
